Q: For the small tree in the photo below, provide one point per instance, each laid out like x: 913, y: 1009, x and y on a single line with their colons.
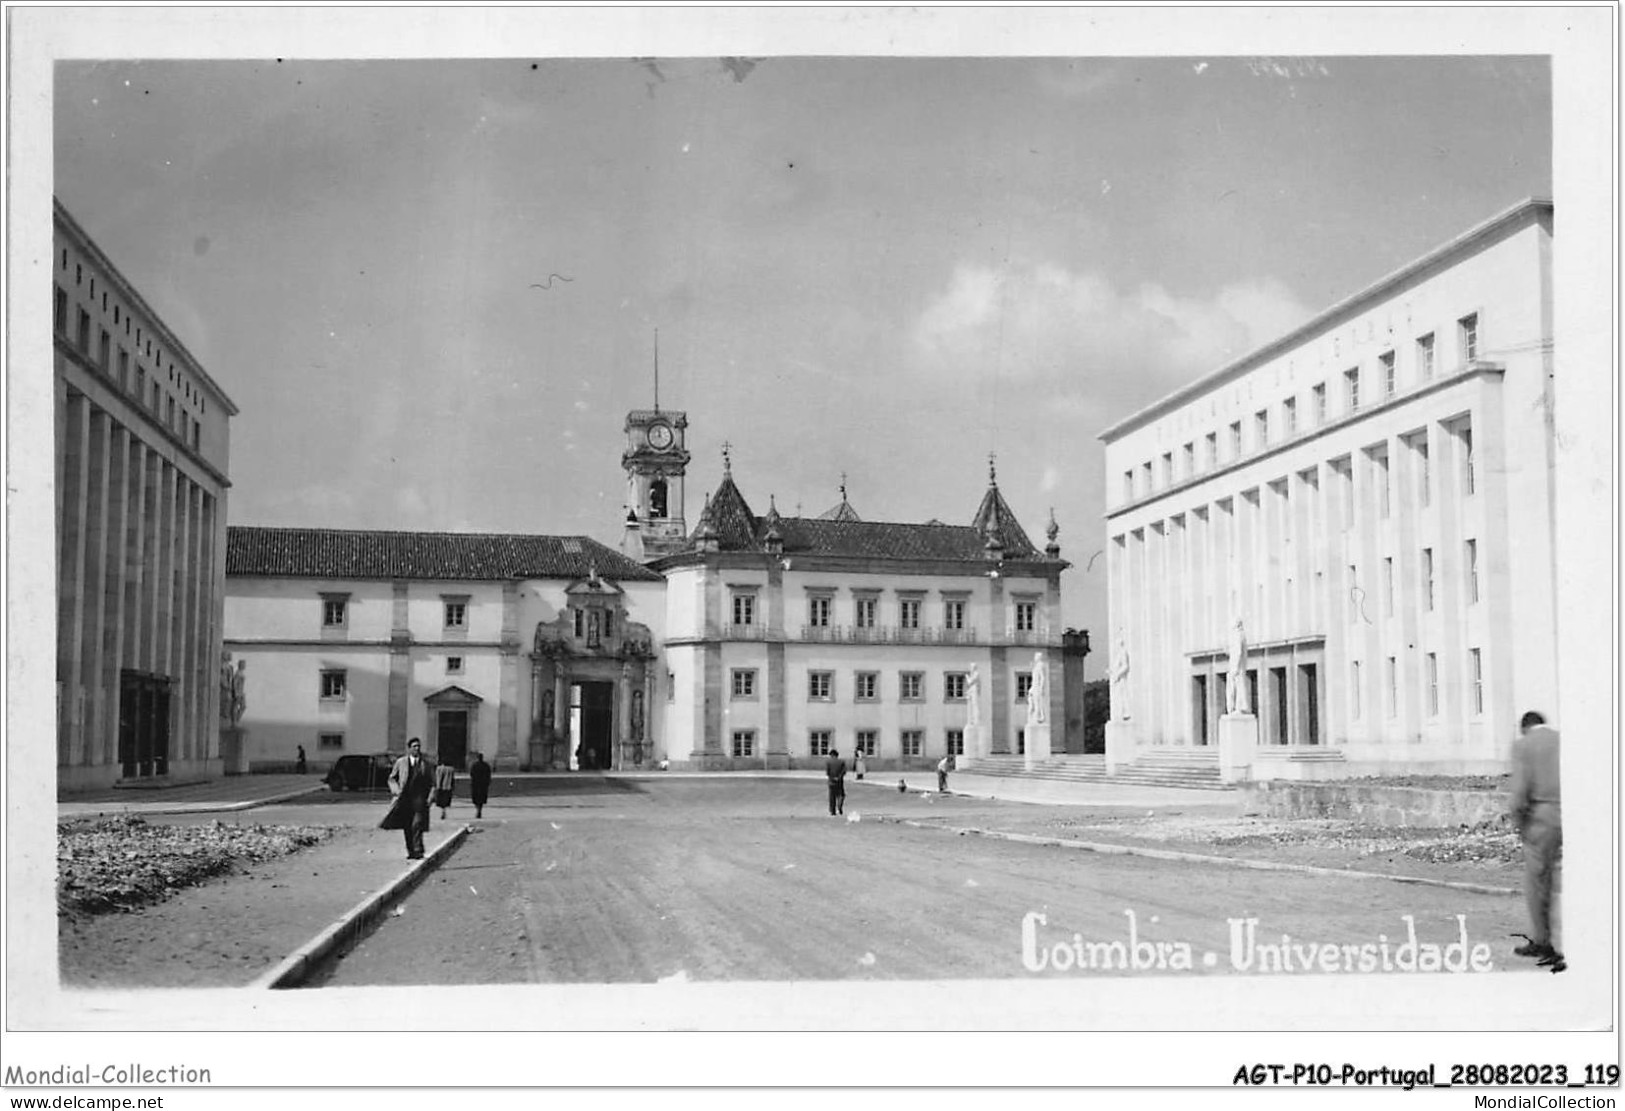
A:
x: 1097, y: 711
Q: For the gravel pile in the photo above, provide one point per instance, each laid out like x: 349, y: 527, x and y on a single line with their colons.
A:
x: 1492, y: 842
x: 122, y: 863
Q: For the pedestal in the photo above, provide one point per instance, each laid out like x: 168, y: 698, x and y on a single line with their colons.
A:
x: 233, y: 750
x: 1122, y: 744
x: 1238, y: 742
x: 977, y: 742
x: 1038, y: 743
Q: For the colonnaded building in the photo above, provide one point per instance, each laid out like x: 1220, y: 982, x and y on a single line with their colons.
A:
x: 752, y: 641
x: 142, y: 442
x: 1371, y: 496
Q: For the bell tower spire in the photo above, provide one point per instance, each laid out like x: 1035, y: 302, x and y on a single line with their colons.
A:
x: 656, y: 462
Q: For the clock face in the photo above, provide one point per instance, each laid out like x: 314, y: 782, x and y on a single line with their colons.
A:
x: 660, y: 436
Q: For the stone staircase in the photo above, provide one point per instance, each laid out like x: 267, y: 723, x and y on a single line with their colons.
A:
x: 1191, y: 768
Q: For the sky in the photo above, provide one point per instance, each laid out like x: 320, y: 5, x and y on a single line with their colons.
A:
x: 432, y: 287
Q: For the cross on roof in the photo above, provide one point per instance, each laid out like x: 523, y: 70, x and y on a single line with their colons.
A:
x: 727, y: 462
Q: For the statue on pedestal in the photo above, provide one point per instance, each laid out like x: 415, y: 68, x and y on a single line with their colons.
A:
x: 1119, y: 678
x: 1236, y: 701
x: 973, y: 698
x: 1038, y: 692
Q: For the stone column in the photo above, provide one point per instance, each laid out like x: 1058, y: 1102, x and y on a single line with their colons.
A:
x: 623, y: 727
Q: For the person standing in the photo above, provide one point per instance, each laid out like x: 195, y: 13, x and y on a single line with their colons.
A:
x: 410, y: 782
x: 479, y: 783
x: 445, y: 785
x: 835, y: 772
x: 299, y: 763
x: 942, y: 776
x: 1536, y: 810
x: 857, y: 763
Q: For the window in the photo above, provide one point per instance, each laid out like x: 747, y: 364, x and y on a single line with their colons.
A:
x: 1475, y: 663
x: 1212, y: 450
x: 334, y: 684
x: 1319, y: 394
x: 1424, y: 357
x: 1467, y: 330
x: 953, y: 686
x: 1391, y: 687
x: 106, y: 350
x: 744, y: 608
x: 1433, y: 684
x: 818, y: 606
x: 953, y: 614
x: 1356, y: 595
x: 744, y: 682
x: 866, y: 610
x: 913, y: 742
x: 744, y: 743
x: 1427, y: 579
x: 1261, y: 428
x: 1354, y: 690
x: 818, y: 742
x: 580, y: 617
x: 1289, y: 416
x: 454, y: 665
x: 457, y: 613
x: 329, y: 740
x: 1167, y: 469
x: 169, y: 416
x: 1145, y: 473
x: 908, y: 613
x: 956, y: 742
x: 1464, y: 441
x: 84, y: 331
x: 1190, y: 459
x: 1235, y: 439
x: 1388, y: 586
x: 123, y: 369
x: 1472, y: 571
x: 1378, y: 457
x: 1390, y: 383
x: 866, y: 686
x: 820, y: 686
x: 335, y: 611
x: 1424, y: 473
x: 911, y: 686
x: 864, y: 742
x: 1128, y: 485
x: 1024, y: 683
x: 61, y: 310
x: 1026, y: 616
x: 1351, y: 390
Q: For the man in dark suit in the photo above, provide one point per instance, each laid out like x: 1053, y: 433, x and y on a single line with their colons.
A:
x: 835, y: 769
x: 411, y: 781
x: 1535, y: 803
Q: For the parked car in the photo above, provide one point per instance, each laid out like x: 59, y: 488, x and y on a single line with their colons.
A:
x: 361, y: 773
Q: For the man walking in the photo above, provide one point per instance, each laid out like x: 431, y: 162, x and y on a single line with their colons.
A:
x: 410, y: 782
x: 835, y: 770
x: 479, y: 783
x: 1537, y: 813
x: 942, y: 776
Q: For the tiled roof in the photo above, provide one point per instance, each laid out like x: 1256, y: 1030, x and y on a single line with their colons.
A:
x: 842, y: 512
x: 737, y: 529
x: 346, y: 554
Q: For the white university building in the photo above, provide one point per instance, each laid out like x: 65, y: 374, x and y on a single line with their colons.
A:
x: 1371, y: 495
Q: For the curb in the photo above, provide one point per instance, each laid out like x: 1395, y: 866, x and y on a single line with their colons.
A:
x: 189, y: 808
x: 1200, y: 858
x: 298, y: 967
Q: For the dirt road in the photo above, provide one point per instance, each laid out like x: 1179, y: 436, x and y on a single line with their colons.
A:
x: 745, y: 880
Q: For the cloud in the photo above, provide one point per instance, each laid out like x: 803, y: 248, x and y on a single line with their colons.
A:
x: 1044, y: 323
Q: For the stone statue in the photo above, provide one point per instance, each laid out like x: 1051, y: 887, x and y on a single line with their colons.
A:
x: 1038, y: 692
x: 1119, y: 678
x: 973, y: 697
x: 1236, y: 701
x: 239, y: 692
x: 227, y: 673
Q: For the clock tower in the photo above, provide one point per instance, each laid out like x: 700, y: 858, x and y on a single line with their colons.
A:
x: 655, y: 461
